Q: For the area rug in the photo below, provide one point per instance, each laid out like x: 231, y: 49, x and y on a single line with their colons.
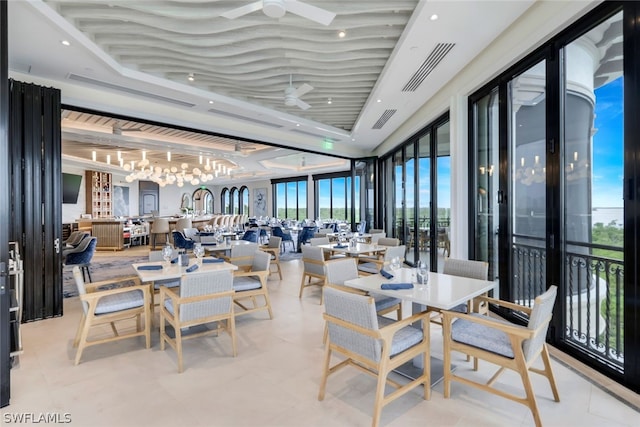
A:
x: 102, y: 268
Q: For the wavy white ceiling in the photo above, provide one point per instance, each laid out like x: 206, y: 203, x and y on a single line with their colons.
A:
x: 134, y: 57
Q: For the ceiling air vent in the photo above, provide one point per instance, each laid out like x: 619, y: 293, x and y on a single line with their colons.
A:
x: 383, y: 119
x: 304, y: 132
x: 429, y: 64
x: 135, y: 92
x: 246, y: 119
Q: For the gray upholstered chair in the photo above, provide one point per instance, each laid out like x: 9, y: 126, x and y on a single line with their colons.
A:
x: 375, y: 237
x: 473, y: 270
x: 159, y: 226
x: 109, y: 306
x: 155, y: 256
x: 388, y: 241
x: 313, y: 268
x: 374, y: 344
x: 316, y: 241
x: 370, y: 265
x: 202, y: 298
x: 242, y: 255
x: 273, y: 248
x: 252, y: 283
x: 508, y: 345
x: 340, y: 270
x: 183, y: 223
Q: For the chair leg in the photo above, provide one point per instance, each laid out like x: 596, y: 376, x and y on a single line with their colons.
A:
x: 302, y: 285
x: 178, y: 333
x: 549, y: 373
x: 379, y: 399
x: 325, y: 372
x: 83, y: 319
x: 83, y: 340
x: 231, y: 325
x: 531, y: 398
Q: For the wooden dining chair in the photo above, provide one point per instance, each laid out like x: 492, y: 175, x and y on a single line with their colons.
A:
x: 202, y: 298
x: 273, y: 248
x: 313, y: 268
x: 373, y: 344
x: 251, y: 284
x: 502, y: 343
x: 111, y: 306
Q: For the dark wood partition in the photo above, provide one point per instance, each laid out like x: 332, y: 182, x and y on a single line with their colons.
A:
x: 5, y: 343
x: 35, y: 195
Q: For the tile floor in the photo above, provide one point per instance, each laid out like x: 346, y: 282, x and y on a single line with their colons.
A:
x: 272, y: 382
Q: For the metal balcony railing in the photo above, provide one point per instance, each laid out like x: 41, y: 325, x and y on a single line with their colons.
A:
x: 593, y: 294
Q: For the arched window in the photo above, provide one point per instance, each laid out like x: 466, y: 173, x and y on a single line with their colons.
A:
x: 203, y: 201
x: 224, y: 198
x: 243, y: 200
x: 233, y: 200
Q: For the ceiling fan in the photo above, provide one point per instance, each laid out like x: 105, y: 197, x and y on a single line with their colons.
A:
x: 117, y: 129
x: 292, y: 95
x: 277, y: 9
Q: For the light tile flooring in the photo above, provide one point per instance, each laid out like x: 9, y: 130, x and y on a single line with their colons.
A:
x: 273, y: 381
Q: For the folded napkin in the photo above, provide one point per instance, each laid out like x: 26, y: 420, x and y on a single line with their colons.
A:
x: 194, y: 267
x: 211, y: 260
x: 175, y: 260
x: 386, y: 274
x: 150, y: 267
x: 396, y: 286
x: 341, y: 246
x: 208, y: 244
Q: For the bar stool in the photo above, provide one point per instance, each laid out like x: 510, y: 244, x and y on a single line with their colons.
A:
x: 159, y: 226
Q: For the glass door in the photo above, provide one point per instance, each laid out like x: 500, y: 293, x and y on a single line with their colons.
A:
x: 592, y: 187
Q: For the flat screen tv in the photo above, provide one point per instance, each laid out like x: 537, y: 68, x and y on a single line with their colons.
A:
x: 70, y: 187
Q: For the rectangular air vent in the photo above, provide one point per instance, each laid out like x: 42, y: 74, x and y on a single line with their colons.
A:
x: 246, y: 119
x: 111, y: 86
x: 429, y: 64
x: 383, y: 119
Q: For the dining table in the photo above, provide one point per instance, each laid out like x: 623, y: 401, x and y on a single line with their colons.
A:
x: 161, y: 270
x: 354, y: 250
x: 224, y: 246
x: 442, y: 291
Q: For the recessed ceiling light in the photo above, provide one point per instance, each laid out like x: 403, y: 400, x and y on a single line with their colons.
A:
x: 329, y: 101
x: 353, y: 139
x: 210, y: 102
x: 66, y: 42
x: 297, y: 124
x: 434, y: 17
x: 342, y: 33
x: 379, y: 100
x: 190, y: 77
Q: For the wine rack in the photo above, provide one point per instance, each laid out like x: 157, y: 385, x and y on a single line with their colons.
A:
x: 99, y: 189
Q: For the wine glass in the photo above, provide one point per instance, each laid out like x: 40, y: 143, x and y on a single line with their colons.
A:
x: 198, y: 251
x: 167, y: 253
x: 422, y: 273
x: 395, y: 265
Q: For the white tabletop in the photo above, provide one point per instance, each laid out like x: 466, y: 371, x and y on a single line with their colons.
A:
x: 358, y: 249
x: 174, y: 271
x: 225, y: 246
x: 443, y: 291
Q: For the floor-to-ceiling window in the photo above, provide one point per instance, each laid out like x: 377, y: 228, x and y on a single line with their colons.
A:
x: 333, y: 196
x: 226, y: 201
x: 417, y: 178
x: 561, y: 207
x: 290, y: 198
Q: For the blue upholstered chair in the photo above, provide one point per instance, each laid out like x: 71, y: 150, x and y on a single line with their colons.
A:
x: 251, y: 235
x: 375, y: 344
x: 81, y: 256
x: 305, y: 234
x: 284, y: 235
x: 109, y: 306
x: 181, y: 242
x: 202, y: 298
x: 502, y: 343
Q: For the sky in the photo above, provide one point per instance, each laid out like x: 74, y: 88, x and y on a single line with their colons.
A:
x: 608, y: 146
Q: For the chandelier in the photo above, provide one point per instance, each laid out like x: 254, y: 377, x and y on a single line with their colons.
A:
x: 142, y: 170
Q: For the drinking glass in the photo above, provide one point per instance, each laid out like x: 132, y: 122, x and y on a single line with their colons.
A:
x: 198, y: 251
x: 167, y: 252
x: 395, y: 264
x: 422, y: 273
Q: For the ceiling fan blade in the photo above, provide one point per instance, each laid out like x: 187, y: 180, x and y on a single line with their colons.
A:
x: 244, y: 10
x: 302, y: 90
x: 301, y: 104
x: 321, y: 16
